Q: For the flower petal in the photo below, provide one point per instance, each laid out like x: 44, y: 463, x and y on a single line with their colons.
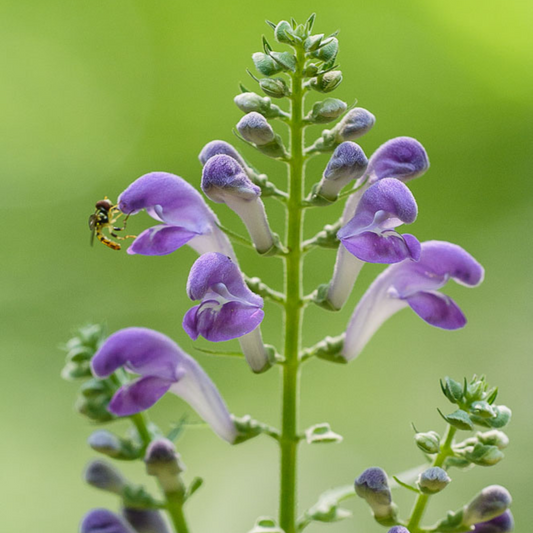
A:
x: 104, y: 521
x: 403, y: 158
x: 437, y: 309
x: 139, y: 395
x: 190, y: 323
x: 161, y: 240
x: 213, y: 268
x: 218, y: 148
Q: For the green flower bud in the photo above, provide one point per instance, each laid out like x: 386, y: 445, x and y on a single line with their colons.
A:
x: 328, y: 50
x: 94, y: 408
x: 502, y: 418
x: 265, y: 64
x: 327, y: 82
x: 249, y: 102
x: 452, y: 390
x: 326, y: 111
x: 313, y: 42
x: 428, y: 442
x: 285, y: 60
x: 483, y: 455
x: 482, y: 409
x: 459, y: 419
x: 108, y: 444
x: 494, y: 438
x: 433, y: 480
x: 274, y: 87
x: 492, y: 501
x: 311, y: 70
x: 283, y: 32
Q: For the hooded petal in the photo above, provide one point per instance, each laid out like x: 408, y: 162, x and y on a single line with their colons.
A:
x: 414, y: 284
x: 369, y: 234
x: 347, y: 162
x: 220, y: 148
x: 161, y: 240
x: 403, y: 158
x: 212, y: 269
x: 104, y: 521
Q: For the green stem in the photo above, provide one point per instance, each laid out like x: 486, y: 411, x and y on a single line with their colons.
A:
x: 422, y: 500
x: 293, y: 306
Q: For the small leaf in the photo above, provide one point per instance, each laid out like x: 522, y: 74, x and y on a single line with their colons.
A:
x: 196, y: 483
x: 271, y: 24
x: 310, y: 22
x: 405, y: 485
x: 458, y: 419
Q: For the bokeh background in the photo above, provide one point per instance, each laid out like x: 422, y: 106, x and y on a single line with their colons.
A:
x: 96, y: 93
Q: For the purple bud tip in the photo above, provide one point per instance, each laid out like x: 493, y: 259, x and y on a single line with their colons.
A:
x: 103, y: 521
x: 356, y: 123
x: 145, y: 520
x: 104, y: 441
x: 398, y: 529
x: 501, y: 524
x: 255, y: 128
x: 104, y: 476
x: 433, y: 480
x: 491, y: 502
x: 223, y: 176
x: 160, y: 451
x: 372, y: 481
x: 219, y: 148
x: 348, y: 161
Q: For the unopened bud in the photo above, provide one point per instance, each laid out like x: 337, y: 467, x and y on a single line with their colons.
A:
x: 283, y: 32
x: 313, y: 42
x: 326, y: 111
x: 491, y: 502
x: 501, y: 524
x: 433, y: 480
x: 214, y: 148
x: 428, y: 442
x: 104, y: 476
x: 398, y: 529
x: 161, y: 456
x: 248, y: 102
x: 494, y: 438
x: 327, y: 82
x: 104, y: 521
x: 328, y: 50
x: 355, y: 124
x: 145, y: 520
x: 265, y: 64
x: 255, y: 129
x: 373, y: 486
x: 274, y: 87
x: 484, y: 455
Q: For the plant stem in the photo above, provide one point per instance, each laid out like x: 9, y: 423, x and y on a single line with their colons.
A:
x: 293, y: 306
x: 422, y: 500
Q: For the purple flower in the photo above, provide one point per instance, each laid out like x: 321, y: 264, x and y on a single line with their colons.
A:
x: 369, y: 236
x: 414, y: 284
x: 501, y: 524
x: 398, y: 529
x: 162, y: 366
x: 491, y: 502
x: 185, y: 217
x: 104, y: 521
x: 220, y: 148
x: 146, y: 520
x: 229, y: 309
x: 255, y: 128
x: 354, y: 124
x: 224, y: 180
x: 347, y: 163
x: 403, y: 158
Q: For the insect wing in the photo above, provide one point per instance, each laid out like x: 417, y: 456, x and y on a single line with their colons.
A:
x: 92, y: 226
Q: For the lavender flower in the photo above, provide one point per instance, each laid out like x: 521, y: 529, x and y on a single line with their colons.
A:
x: 162, y: 367
x: 354, y: 124
x: 229, y: 309
x: 373, y: 486
x: 104, y: 521
x: 347, y: 163
x: 370, y: 237
x: 501, y: 524
x: 403, y: 158
x: 145, y: 520
x: 414, y: 284
x: 220, y: 148
x: 185, y: 217
x: 225, y: 181
x: 255, y: 128
x: 491, y: 502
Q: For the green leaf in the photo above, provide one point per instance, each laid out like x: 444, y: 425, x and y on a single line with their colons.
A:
x: 405, y: 485
x: 458, y: 419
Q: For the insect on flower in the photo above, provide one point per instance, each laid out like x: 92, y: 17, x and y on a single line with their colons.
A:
x: 105, y: 216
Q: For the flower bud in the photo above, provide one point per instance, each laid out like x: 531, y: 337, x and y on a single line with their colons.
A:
x: 104, y: 476
x: 491, y: 502
x: 501, y: 524
x: 313, y: 42
x: 494, y: 438
x: 255, y: 129
x: 482, y: 409
x: 220, y: 147
x: 283, y: 32
x: 326, y: 111
x: 327, y: 82
x: 145, y: 520
x: 265, y: 64
x: 328, y: 50
x: 285, y: 60
x: 484, y: 455
x: 105, y: 442
x: 398, y: 529
x: 372, y: 485
x: 104, y: 521
x: 433, y: 480
x: 248, y: 102
x: 274, y: 87
x: 428, y: 442
x: 161, y: 456
x: 356, y: 123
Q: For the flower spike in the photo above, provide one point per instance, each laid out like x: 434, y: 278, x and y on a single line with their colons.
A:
x: 229, y: 309
x: 162, y: 367
x: 185, y: 217
x: 225, y: 181
x: 370, y: 236
x: 414, y: 284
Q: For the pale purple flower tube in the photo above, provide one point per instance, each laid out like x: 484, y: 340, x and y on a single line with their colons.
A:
x: 185, y: 217
x: 347, y: 163
x: 403, y: 158
x: 228, y: 308
x: 162, y: 367
x: 370, y: 236
x: 224, y: 180
x: 501, y: 524
x: 414, y: 284
x: 490, y: 503
x: 104, y: 521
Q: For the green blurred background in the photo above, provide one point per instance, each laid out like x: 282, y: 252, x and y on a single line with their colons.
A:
x: 96, y: 93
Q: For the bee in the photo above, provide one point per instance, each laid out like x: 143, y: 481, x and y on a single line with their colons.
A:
x: 105, y: 216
